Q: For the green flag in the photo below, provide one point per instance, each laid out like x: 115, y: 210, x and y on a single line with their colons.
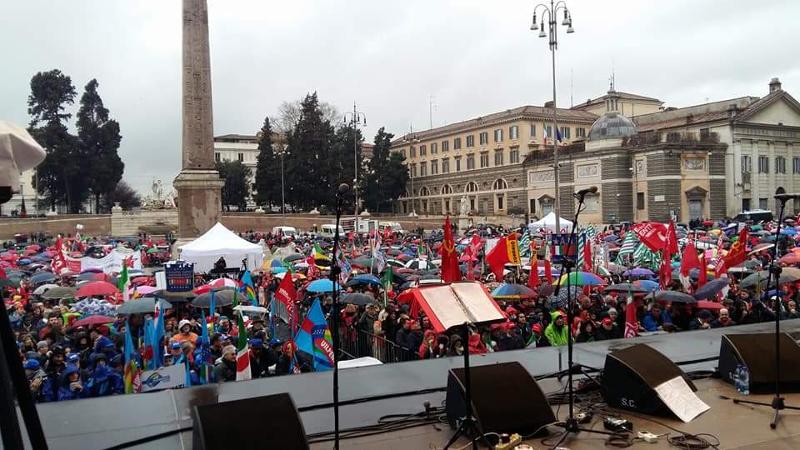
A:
x: 124, y: 281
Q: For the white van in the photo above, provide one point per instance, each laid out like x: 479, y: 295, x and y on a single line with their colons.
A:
x: 328, y: 230
x: 285, y: 232
x: 395, y: 226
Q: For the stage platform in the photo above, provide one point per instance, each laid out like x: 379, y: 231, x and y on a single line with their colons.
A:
x: 402, y: 388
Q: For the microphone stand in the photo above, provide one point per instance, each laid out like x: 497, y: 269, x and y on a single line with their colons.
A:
x: 775, y: 270
x: 570, y: 425
x: 334, y: 275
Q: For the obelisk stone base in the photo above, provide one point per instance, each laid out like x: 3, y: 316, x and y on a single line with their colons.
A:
x: 199, y: 200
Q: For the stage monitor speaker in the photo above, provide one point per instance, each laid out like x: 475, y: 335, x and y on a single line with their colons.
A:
x: 757, y: 352
x: 269, y: 422
x: 631, y: 375
x: 505, y: 399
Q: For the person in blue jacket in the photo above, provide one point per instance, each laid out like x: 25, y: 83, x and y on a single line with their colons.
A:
x: 70, y: 384
x: 103, y: 380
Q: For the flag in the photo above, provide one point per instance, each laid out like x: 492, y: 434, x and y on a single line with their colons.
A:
x: 544, y: 135
x: 631, y: 324
x: 248, y: 288
x: 130, y: 376
x: 314, y: 338
x: 345, y: 268
x: 387, y: 281
x: 689, y: 261
x: 450, y: 271
x: 148, y: 350
x: 548, y: 268
x: 558, y: 135
x: 124, y: 282
x: 533, y: 278
x: 651, y: 234
x: 665, y: 269
x: 736, y: 255
x: 672, y: 239
x: 644, y: 257
x: 498, y: 257
x: 703, y: 279
x: 525, y: 244
x: 320, y: 255
x: 242, y: 353
x: 59, y: 262
x: 285, y: 296
x: 202, y: 357
x: 628, y: 246
x: 159, y: 331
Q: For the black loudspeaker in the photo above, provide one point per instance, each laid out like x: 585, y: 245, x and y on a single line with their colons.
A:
x: 631, y: 375
x: 505, y: 399
x: 757, y: 352
x: 269, y: 422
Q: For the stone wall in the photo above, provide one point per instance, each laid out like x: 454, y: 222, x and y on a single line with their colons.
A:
x: 63, y: 224
x: 661, y: 164
x: 616, y: 167
x: 717, y: 197
x: 671, y: 190
x: 617, y: 200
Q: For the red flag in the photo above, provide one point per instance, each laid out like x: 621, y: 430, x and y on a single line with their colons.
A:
x: 672, y: 239
x: 653, y: 235
x: 689, y: 261
x: 587, y: 255
x: 631, y: 324
x: 313, y: 270
x: 59, y: 262
x: 286, y: 294
x: 703, y: 272
x: 736, y: 255
x: 533, y: 279
x: 498, y: 257
x: 449, y: 268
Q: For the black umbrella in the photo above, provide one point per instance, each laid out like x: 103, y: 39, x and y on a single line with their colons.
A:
x: 675, y: 297
x: 222, y: 298
x: 357, y: 298
x: 625, y: 287
x: 711, y: 288
x: 293, y: 257
x: 142, y: 306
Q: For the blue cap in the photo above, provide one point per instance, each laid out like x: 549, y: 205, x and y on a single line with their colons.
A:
x: 70, y: 369
x: 275, y: 341
x: 73, y: 358
x: 175, y: 345
x: 256, y: 343
x: 31, y: 364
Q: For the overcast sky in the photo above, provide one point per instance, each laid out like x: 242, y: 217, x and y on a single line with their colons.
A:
x: 473, y: 56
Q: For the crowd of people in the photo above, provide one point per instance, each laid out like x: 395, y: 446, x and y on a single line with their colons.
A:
x: 67, y: 355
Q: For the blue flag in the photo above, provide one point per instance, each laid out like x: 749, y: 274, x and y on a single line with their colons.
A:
x: 249, y: 288
x: 149, y: 349
x: 314, y: 338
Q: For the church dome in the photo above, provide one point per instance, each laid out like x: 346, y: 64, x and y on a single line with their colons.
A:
x: 612, y: 125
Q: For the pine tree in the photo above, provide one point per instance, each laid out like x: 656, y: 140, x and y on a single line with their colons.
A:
x: 385, y: 176
x: 237, y: 188
x: 268, y: 171
x: 100, y: 140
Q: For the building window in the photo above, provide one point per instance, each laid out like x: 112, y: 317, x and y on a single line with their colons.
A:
x: 423, y: 150
x: 413, y: 171
x: 592, y: 202
x: 513, y: 132
x: 413, y: 151
x: 763, y: 165
x: 745, y: 204
x: 434, y: 148
x: 484, y: 137
x: 445, y: 146
x: 423, y: 169
x: 780, y: 164
x: 471, y: 140
x: 513, y: 155
x: 580, y: 132
x: 499, y: 184
x: 762, y: 203
x: 747, y: 164
x: 484, y: 159
x: 458, y: 163
x: 457, y: 143
x: 446, y: 165
x: 533, y: 130
x: 640, y: 200
x: 446, y: 189
x: 471, y: 187
x: 498, y: 135
x: 217, y: 157
x: 548, y: 132
x: 241, y: 157
x: 565, y: 133
x: 796, y: 164
x: 498, y: 158
x: 434, y: 166
x: 403, y: 152
x: 704, y: 134
x: 470, y: 161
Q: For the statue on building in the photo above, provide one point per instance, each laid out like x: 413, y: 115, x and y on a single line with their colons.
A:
x: 158, y: 199
x: 464, y: 206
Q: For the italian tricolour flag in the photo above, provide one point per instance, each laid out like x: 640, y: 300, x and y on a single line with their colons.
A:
x: 242, y: 353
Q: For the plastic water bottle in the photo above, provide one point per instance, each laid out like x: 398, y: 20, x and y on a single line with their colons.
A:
x: 737, y: 378
x: 744, y: 379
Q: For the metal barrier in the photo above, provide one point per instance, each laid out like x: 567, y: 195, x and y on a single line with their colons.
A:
x: 359, y: 343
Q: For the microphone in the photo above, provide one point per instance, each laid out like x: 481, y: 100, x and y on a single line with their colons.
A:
x: 582, y: 193
x: 343, y: 188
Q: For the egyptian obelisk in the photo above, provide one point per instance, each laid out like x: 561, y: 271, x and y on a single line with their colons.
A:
x: 198, y: 185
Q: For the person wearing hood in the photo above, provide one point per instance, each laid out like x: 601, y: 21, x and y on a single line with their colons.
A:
x: 557, y: 333
x: 537, y: 338
x: 70, y: 387
x: 103, y: 381
x: 105, y: 346
x: 41, y: 385
x: 185, y: 332
x: 476, y: 345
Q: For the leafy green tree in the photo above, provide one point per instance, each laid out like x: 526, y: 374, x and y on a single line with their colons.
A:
x: 100, y: 141
x: 60, y: 177
x: 385, y: 176
x: 342, y: 160
x: 123, y: 194
x: 237, y: 186
x: 268, y: 170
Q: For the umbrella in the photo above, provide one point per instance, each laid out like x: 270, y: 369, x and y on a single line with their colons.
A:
x: 625, y: 287
x: 144, y: 290
x: 711, y: 288
x: 615, y: 268
x: 364, y: 279
x: 221, y: 298
x: 221, y: 283
x: 509, y: 291
x: 674, y: 297
x: 251, y: 310
x: 546, y: 290
x: 791, y: 258
x: 96, y: 288
x: 760, y: 248
x: 580, y: 279
x: 788, y: 275
x: 648, y: 285
x: 44, y: 288
x: 560, y: 300
x: 92, y: 276
x: 705, y: 304
x: 639, y: 272
x: 142, y: 306
x: 356, y: 298
x: 59, y: 292
x: 43, y: 277
x: 363, y: 261
x: 92, y: 320
x: 293, y: 257
x: 320, y: 286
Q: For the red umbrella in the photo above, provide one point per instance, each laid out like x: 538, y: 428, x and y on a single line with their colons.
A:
x: 791, y: 258
x: 92, y: 320
x: 706, y: 304
x: 96, y: 288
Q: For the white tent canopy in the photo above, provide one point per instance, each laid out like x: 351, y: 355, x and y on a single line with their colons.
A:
x: 549, y: 222
x: 220, y: 241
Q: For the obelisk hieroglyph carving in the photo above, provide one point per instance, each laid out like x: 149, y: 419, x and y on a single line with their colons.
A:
x: 198, y: 184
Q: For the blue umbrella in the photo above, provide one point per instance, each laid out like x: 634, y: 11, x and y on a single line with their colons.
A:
x: 42, y: 277
x: 639, y: 272
x: 24, y: 262
x: 788, y: 231
x: 651, y: 286
x: 321, y: 286
x: 364, y: 279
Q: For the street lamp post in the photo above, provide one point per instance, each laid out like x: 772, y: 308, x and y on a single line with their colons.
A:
x: 552, y: 33
x: 356, y: 118
x: 411, y: 139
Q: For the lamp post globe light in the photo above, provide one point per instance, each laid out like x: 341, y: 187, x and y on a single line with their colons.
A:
x: 354, y: 120
x: 551, y: 12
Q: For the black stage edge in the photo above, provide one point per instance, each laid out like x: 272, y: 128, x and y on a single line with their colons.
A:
x: 105, y: 422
